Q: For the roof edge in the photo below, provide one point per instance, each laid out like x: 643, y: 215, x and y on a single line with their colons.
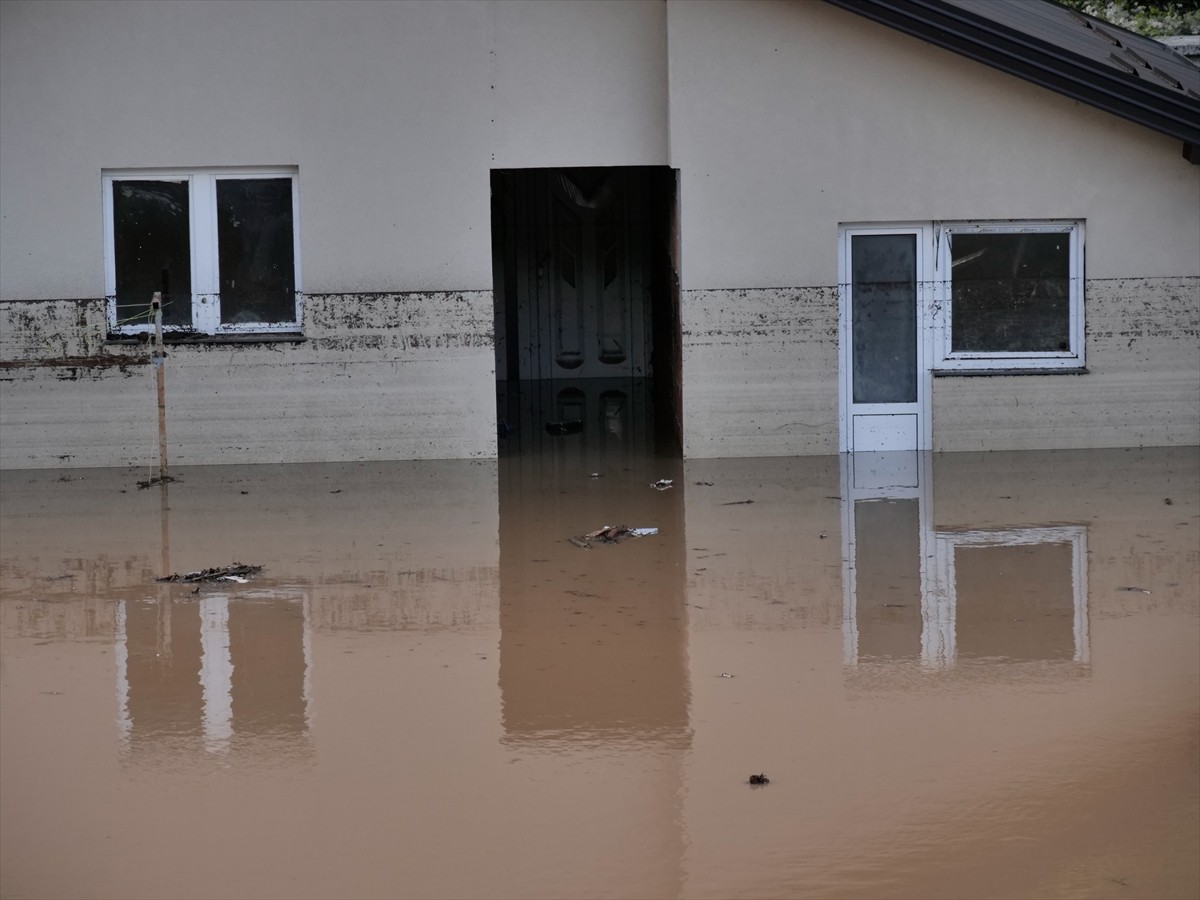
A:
x: 1138, y: 100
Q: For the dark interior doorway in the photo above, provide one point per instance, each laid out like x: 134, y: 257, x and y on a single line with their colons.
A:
x: 585, y: 264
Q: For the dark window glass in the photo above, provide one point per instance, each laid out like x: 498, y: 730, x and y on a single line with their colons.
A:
x: 256, y: 253
x: 884, y: 317
x: 1010, y: 293
x: 152, y: 250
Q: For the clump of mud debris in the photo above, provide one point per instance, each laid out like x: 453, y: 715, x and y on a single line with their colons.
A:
x: 609, y: 534
x: 236, y: 571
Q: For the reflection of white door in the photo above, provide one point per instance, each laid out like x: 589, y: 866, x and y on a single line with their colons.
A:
x: 887, y: 533
x: 884, y: 368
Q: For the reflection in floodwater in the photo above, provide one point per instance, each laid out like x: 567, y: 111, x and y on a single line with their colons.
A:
x: 215, y: 673
x: 592, y: 641
x: 1017, y: 594
x: 966, y: 675
x: 1012, y: 594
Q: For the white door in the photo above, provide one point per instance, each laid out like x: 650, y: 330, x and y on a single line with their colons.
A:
x: 883, y: 354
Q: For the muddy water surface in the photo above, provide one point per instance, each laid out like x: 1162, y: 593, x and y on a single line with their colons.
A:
x: 965, y: 676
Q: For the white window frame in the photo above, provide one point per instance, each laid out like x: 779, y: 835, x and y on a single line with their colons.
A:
x: 945, y: 359
x: 203, y: 244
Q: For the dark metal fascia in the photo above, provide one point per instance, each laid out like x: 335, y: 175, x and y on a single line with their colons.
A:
x: 1097, y: 84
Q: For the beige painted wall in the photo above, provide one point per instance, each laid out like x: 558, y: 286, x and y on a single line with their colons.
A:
x: 816, y: 116
x: 394, y: 113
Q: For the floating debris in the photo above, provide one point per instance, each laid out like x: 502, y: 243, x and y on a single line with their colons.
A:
x: 166, y: 479
x: 703, y: 483
x: 663, y: 484
x: 759, y: 779
x: 610, y: 534
x: 236, y: 572
x: 1135, y: 590
x: 724, y: 674
x: 596, y: 475
x: 737, y: 503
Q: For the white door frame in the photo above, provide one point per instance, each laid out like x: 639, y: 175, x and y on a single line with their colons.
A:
x: 885, y: 426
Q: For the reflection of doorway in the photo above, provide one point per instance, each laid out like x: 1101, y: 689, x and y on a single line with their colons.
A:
x: 885, y: 381
x: 593, y: 642
x: 584, y: 279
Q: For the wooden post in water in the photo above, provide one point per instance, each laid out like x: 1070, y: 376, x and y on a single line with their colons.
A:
x: 159, y: 357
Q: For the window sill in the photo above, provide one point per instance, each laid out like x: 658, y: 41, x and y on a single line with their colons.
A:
x: 979, y: 373
x: 177, y: 338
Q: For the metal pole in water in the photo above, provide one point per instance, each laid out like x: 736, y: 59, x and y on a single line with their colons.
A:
x: 159, y: 357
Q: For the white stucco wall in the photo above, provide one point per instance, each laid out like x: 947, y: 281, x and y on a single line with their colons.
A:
x: 788, y: 119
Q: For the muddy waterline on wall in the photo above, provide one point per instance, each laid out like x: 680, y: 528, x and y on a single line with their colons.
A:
x: 978, y: 677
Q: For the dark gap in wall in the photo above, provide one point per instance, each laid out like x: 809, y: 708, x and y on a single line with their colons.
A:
x: 587, y: 305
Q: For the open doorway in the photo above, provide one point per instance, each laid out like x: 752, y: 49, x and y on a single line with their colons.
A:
x: 585, y: 264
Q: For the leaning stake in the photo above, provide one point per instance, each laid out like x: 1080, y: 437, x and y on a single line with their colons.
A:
x: 159, y: 357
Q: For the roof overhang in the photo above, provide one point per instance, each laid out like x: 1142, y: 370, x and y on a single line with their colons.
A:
x: 1103, y: 66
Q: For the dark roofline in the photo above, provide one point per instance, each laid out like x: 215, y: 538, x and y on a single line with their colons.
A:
x: 1112, y: 86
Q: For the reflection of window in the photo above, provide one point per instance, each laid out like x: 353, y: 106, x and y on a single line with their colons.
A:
x: 1018, y: 594
x: 1010, y: 296
x: 219, y: 673
x: 221, y: 247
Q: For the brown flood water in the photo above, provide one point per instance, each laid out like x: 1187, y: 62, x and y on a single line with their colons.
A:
x: 430, y: 692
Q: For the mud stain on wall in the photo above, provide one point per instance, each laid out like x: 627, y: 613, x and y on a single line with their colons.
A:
x: 760, y: 372
x: 1140, y: 390
x: 372, y: 376
x: 391, y: 375
x: 52, y: 329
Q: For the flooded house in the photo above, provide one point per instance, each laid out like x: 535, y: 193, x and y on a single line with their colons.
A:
x: 494, y: 274
x: 383, y: 231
